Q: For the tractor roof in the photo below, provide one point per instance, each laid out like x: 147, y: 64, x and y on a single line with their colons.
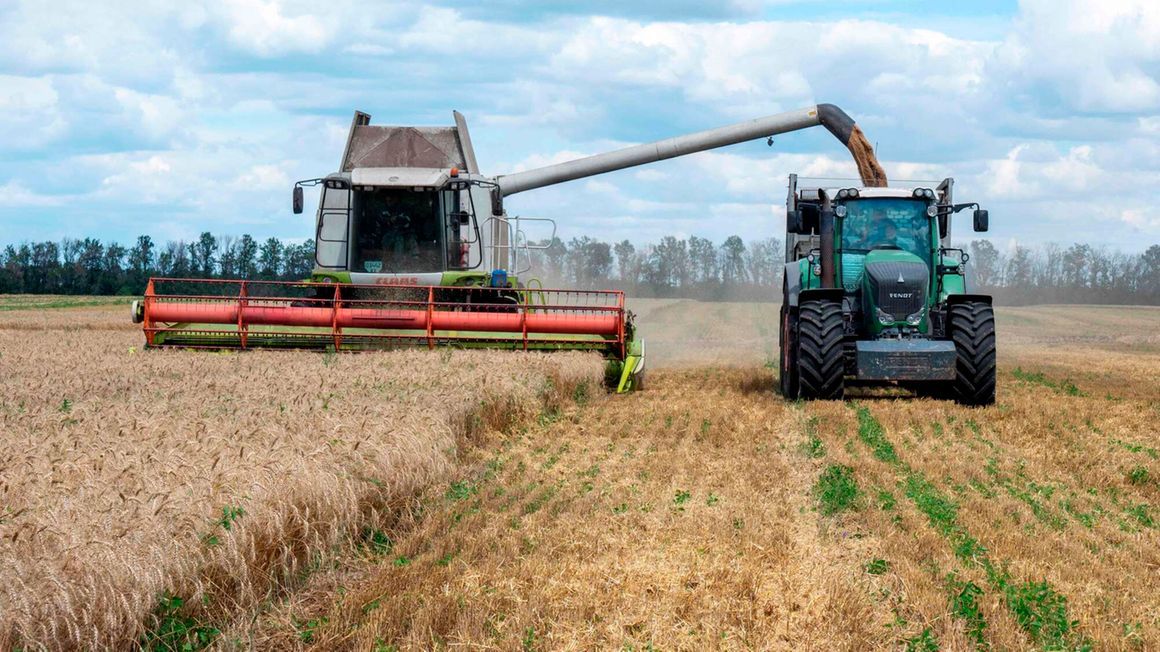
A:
x: 873, y: 193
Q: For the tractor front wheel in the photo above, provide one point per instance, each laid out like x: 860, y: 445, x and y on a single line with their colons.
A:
x: 971, y: 325
x: 820, y: 360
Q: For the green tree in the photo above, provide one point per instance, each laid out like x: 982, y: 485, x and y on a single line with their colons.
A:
x: 733, y: 260
x: 270, y: 259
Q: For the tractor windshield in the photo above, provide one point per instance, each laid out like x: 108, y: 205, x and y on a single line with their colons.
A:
x: 397, y: 231
x: 886, y: 223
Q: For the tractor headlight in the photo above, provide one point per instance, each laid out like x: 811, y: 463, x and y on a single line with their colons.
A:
x: 915, y: 319
x: 840, y: 210
x: 931, y: 210
x: 817, y: 270
x: 842, y: 193
x: 884, y: 317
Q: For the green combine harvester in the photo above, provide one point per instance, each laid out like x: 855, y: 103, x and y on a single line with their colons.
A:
x: 875, y: 294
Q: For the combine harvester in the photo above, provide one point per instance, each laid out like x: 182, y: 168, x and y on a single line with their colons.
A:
x: 414, y: 247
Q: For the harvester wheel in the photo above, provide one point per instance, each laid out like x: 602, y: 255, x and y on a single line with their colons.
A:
x: 787, y: 353
x: 821, y: 365
x: 971, y: 325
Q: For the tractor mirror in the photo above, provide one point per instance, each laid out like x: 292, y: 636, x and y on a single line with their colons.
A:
x: 981, y: 221
x: 793, y: 221
x: 943, y: 220
x: 297, y: 200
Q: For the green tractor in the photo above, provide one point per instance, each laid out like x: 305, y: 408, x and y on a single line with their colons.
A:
x: 875, y: 294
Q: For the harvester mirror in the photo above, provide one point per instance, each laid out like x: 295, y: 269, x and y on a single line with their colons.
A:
x: 793, y: 221
x: 298, y: 200
x: 460, y: 218
x: 943, y: 223
x: 981, y: 220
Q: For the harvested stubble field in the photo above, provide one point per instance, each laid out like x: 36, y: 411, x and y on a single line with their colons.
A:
x: 702, y: 513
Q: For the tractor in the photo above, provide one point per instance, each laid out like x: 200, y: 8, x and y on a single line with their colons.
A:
x: 874, y: 293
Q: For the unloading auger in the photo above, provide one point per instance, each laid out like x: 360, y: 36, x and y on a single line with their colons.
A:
x: 413, y: 247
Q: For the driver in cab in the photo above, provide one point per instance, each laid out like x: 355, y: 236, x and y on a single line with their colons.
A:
x: 883, y: 230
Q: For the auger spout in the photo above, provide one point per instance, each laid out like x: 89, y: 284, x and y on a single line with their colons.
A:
x: 829, y: 116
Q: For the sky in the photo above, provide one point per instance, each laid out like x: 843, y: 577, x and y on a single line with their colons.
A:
x: 169, y: 119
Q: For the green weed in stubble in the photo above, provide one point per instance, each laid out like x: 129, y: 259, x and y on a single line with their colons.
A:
x: 375, y: 542
x: 1037, y: 607
x: 174, y: 630
x: 1065, y: 386
x: 1137, y: 448
x: 308, y: 628
x: 924, y: 642
x: 836, y: 489
x: 813, y: 447
x: 964, y: 599
x: 873, y: 434
x: 1139, y: 475
x: 459, y: 491
x: 1042, y: 613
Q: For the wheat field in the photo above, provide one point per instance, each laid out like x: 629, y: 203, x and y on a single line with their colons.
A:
x: 385, y: 508
x: 140, y: 484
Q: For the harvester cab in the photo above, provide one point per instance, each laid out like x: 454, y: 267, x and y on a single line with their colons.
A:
x: 408, y: 207
x: 875, y: 293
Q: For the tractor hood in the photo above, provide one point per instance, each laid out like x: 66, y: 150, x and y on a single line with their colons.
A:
x: 895, y: 286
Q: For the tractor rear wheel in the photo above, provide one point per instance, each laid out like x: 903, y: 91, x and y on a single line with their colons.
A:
x: 971, y: 325
x: 821, y: 363
x: 787, y: 352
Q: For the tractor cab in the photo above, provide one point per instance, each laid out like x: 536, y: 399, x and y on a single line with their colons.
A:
x: 882, y: 235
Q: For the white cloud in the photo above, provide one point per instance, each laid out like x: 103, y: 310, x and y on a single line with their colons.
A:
x: 17, y: 195
x: 265, y: 28
x: 165, y: 109
x: 30, y: 114
x: 1089, y: 56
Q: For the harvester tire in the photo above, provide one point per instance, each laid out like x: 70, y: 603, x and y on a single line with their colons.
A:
x: 971, y: 325
x: 787, y: 353
x: 821, y: 363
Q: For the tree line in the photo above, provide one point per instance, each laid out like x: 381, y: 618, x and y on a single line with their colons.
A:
x: 693, y: 267
x: 699, y: 269
x: 89, y: 266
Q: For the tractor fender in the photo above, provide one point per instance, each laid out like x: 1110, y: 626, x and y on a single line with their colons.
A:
x: 793, y: 283
x: 828, y: 294
x: 952, y: 299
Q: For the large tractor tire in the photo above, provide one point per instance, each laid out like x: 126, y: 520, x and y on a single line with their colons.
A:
x: 821, y: 364
x: 787, y: 352
x: 971, y: 325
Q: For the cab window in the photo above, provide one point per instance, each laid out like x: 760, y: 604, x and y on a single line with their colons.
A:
x: 397, y: 231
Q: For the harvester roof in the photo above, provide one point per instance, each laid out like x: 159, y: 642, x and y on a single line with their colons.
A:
x: 400, y: 177
x: 423, y: 147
